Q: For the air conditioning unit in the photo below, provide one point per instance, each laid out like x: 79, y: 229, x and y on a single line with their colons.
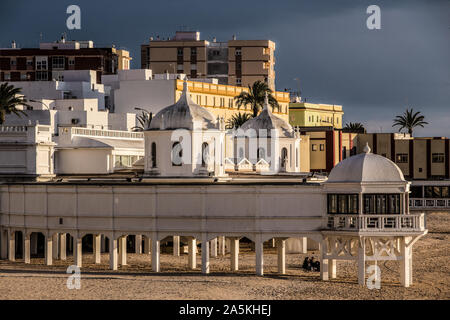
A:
x: 75, y: 121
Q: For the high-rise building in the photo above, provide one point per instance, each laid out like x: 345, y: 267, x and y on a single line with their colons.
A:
x: 48, y: 62
x: 235, y: 62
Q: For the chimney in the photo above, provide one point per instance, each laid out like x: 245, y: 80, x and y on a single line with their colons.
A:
x: 13, y: 44
x: 214, y: 39
x: 234, y: 37
x: 151, y: 38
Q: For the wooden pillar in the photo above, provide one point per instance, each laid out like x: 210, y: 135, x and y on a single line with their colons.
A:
x: 62, y: 246
x: 176, y: 246
x: 281, y: 250
x: 259, y: 250
x: 192, y: 254
x: 234, y: 256
x: 113, y: 253
x: 96, y: 245
x: 26, y: 247
x: 205, y: 255
x: 78, y: 247
x: 155, y: 254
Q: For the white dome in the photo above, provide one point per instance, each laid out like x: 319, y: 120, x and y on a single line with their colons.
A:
x: 184, y: 114
x: 366, y: 167
x: 267, y: 120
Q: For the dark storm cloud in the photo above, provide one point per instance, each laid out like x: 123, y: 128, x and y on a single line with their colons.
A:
x: 373, y: 74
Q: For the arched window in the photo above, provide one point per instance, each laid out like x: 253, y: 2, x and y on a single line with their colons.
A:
x: 177, y: 154
x: 296, y: 157
x: 205, y: 154
x: 284, y: 158
x: 153, y: 155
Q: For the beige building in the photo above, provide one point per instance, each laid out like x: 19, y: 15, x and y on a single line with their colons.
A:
x: 236, y: 62
x: 305, y: 114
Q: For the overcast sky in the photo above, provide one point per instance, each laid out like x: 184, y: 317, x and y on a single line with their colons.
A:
x: 374, y: 74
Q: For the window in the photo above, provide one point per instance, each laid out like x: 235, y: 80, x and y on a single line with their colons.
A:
x: 238, y: 51
x: 343, y: 203
x: 238, y: 81
x: 180, y: 52
x: 41, y: 75
x: 261, y: 153
x: 13, y: 62
x: 284, y: 158
x: 205, y: 154
x: 194, y: 51
x: 153, y: 155
x: 193, y: 66
x: 322, y: 147
x: 382, y: 204
x: 7, y: 76
x: 314, y: 147
x: 29, y: 62
x: 179, y: 67
x: 58, y: 62
x: 177, y: 154
x: 71, y: 62
x: 401, y: 158
x: 437, y: 158
x: 437, y: 192
x: 122, y: 161
x: 41, y: 63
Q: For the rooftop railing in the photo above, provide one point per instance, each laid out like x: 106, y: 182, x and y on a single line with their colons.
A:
x: 376, y: 223
x: 106, y: 133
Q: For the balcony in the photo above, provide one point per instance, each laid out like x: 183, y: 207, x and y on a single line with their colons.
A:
x: 427, y: 203
x: 376, y: 223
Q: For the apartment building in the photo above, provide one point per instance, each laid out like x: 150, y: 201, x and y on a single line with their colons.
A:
x: 235, y: 62
x: 418, y: 158
x: 305, y: 114
x: 48, y: 62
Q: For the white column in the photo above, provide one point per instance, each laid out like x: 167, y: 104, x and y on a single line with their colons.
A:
x: 62, y: 246
x: 33, y: 242
x: 4, y: 244
x: 405, y: 270
x: 362, y: 263
x: 138, y: 244
x: 303, y: 245
x: 192, y: 254
x: 259, y: 250
x: 234, y: 256
x: 323, y: 261
x: 281, y: 250
x: 155, y: 255
x: 213, y: 245
x: 205, y: 255
x: 48, y: 250
x: 176, y: 246
x: 123, y: 250
x: 12, y: 246
x: 26, y: 247
x: 147, y: 245
x: 55, y: 239
x: 222, y: 245
x: 410, y: 266
x: 112, y: 253
x: 78, y: 248
x: 273, y: 242
x: 332, y: 267
x: 96, y: 239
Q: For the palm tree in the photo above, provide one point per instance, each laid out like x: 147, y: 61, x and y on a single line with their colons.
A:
x: 255, y: 97
x: 237, y: 120
x: 10, y: 99
x: 409, y: 120
x: 144, y: 119
x: 355, y: 127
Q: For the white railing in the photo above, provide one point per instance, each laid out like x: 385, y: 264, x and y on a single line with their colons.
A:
x: 13, y: 128
x: 107, y: 133
x: 428, y: 203
x: 376, y: 222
